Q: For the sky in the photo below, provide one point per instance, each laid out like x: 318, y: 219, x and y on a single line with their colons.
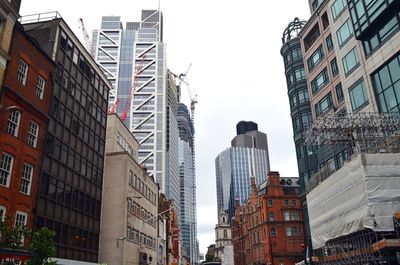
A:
x: 237, y: 73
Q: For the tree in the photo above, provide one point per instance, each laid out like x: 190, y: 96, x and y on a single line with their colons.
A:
x: 42, y: 246
x: 12, y: 236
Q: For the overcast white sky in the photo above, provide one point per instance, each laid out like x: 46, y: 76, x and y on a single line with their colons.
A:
x: 237, y: 72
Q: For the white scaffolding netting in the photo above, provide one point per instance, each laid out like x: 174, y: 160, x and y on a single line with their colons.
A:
x: 364, y: 193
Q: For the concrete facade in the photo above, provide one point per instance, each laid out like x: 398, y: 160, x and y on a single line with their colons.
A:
x: 130, y: 201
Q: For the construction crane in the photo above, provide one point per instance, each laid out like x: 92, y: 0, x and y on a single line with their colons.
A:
x: 86, y: 37
x: 183, y: 79
x: 135, y: 80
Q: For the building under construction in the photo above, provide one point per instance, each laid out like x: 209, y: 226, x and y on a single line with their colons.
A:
x: 355, y: 211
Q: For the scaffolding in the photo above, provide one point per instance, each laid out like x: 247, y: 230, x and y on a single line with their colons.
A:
x: 364, y: 247
x: 364, y: 132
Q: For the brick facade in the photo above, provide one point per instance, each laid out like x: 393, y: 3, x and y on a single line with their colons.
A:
x: 268, y: 228
x: 23, y: 98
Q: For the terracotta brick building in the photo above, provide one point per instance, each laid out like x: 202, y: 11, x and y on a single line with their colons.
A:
x: 268, y: 228
x: 25, y: 99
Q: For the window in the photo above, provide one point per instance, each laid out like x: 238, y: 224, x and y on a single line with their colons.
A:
x: 344, y: 33
x: 334, y: 67
x: 358, y: 96
x: 365, y: 12
x: 293, y: 216
x: 13, y: 122
x: 306, y: 119
x: 270, y: 203
x: 22, y: 72
x: 287, y: 216
x: 271, y: 216
x: 337, y: 8
x: 296, y: 123
x: 311, y: 37
x: 303, y: 96
x: 300, y: 150
x: 26, y: 179
x: 320, y: 81
x: 33, y: 134
x: 339, y: 92
x: 381, y: 34
x: 273, y: 232
x: 225, y: 233
x: 20, y: 219
x: 286, y: 203
x: 324, y: 105
x: 293, y: 100
x: 350, y: 61
x: 2, y: 212
x: 299, y: 74
x: 296, y: 53
x: 40, y: 87
x: 293, y: 203
x: 6, y: 164
x: 315, y: 58
x: 288, y: 231
x: 329, y: 42
x: 290, y: 78
x: 386, y: 82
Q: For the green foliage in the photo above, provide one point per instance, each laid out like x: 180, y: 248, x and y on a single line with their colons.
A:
x: 12, y: 236
x: 41, y: 242
x: 42, y: 245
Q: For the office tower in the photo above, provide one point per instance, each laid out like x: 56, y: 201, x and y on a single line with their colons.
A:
x: 25, y: 102
x: 9, y: 13
x: 70, y: 185
x: 139, y: 50
x: 300, y: 111
x: 351, y: 49
x: 234, y: 167
x: 130, y: 201
x: 187, y: 182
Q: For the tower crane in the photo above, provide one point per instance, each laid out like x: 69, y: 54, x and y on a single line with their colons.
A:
x: 86, y: 37
x: 193, y: 98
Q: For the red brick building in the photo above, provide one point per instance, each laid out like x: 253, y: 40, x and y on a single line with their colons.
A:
x: 268, y: 228
x: 25, y: 101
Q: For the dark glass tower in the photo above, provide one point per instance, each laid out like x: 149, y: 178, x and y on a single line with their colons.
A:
x: 71, y: 180
x: 300, y: 110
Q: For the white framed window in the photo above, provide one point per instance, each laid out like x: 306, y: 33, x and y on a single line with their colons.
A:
x: 33, y: 133
x: 287, y: 216
x: 20, y: 221
x: 2, y: 212
x: 40, y: 87
x: 26, y: 179
x: 21, y: 218
x: 6, y: 164
x: 22, y: 72
x: 13, y: 122
x: 288, y: 231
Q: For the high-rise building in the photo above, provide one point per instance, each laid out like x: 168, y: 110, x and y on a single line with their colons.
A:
x: 133, y: 59
x: 300, y: 110
x: 71, y: 180
x: 353, y: 71
x: 236, y: 165
x: 187, y: 182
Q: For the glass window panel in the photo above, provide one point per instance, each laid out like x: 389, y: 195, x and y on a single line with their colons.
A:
x: 394, y: 69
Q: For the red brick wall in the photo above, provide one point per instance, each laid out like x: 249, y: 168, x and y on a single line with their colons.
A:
x: 32, y: 109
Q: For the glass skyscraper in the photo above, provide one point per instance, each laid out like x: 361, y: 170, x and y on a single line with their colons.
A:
x: 235, y: 165
x: 187, y: 182
x: 135, y: 57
